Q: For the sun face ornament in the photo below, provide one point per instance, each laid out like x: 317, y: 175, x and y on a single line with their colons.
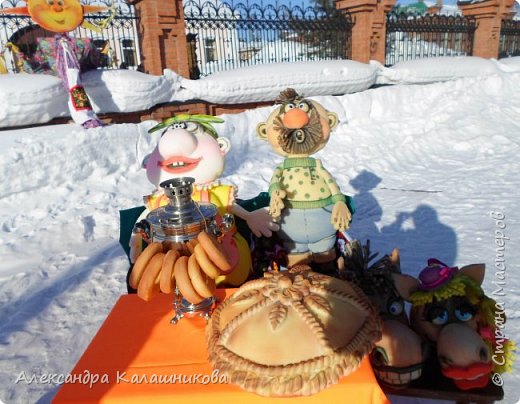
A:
x: 61, y: 15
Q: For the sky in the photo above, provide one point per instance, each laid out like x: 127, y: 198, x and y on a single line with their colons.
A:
x: 446, y: 2
x: 310, y: 2
x: 426, y: 165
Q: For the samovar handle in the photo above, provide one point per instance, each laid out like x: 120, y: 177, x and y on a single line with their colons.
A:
x: 143, y: 229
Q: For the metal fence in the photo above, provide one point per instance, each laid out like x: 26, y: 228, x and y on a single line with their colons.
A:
x: 509, y: 38
x: 223, y: 36
x: 411, y: 37
x: 118, y: 42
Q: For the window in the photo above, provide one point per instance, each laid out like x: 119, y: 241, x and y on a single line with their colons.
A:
x: 210, y: 49
x: 104, y: 48
x: 129, y: 56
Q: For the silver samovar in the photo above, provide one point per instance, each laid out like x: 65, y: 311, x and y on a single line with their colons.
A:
x: 181, y: 220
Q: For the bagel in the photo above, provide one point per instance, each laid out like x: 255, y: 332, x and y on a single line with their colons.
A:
x: 182, y: 279
x: 167, y: 279
x: 205, y: 263
x: 171, y: 245
x: 191, y: 245
x: 141, y: 263
x: 215, y: 252
x: 149, y: 283
x: 202, y: 283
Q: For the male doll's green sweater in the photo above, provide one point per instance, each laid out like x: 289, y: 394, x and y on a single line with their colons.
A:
x: 308, y: 185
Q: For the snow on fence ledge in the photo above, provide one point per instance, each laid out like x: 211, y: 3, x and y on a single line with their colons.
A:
x: 36, y: 99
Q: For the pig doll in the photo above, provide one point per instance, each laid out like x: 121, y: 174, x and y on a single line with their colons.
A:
x: 191, y: 147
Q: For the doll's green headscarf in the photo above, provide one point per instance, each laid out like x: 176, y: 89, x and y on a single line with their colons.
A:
x: 205, y: 121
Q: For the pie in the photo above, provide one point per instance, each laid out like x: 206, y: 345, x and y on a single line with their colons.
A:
x: 292, y: 333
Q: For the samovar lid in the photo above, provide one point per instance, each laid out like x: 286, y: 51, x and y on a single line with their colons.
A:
x: 181, y: 210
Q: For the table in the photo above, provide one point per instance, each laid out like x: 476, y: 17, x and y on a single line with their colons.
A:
x: 136, y: 350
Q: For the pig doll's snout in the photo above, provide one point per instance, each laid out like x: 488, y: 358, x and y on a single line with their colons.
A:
x: 461, y: 346
x: 464, y: 356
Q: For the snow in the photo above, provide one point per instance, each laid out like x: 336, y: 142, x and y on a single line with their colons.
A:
x: 126, y: 90
x: 426, y: 164
x: 38, y: 98
x: 264, y: 82
x: 32, y: 99
x: 431, y: 70
x: 510, y: 64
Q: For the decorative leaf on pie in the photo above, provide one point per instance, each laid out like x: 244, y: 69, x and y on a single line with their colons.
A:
x: 317, y: 303
x: 247, y: 295
x: 277, y: 315
x: 318, y: 279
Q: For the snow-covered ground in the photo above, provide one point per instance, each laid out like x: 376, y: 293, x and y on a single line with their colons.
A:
x: 427, y: 164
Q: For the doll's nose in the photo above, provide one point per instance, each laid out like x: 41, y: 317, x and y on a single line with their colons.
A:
x: 177, y: 142
x: 58, y: 8
x: 295, y: 118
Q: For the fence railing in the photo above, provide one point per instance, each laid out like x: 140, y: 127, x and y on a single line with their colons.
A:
x: 509, y: 39
x: 118, y: 42
x: 411, y: 37
x: 224, y: 36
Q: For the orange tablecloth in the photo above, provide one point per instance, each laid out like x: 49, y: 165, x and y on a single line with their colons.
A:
x: 137, y: 346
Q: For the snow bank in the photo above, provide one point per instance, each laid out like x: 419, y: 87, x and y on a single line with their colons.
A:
x: 511, y: 64
x: 125, y: 90
x: 432, y: 70
x: 264, y: 82
x: 512, y: 61
x: 32, y: 99
x: 37, y: 98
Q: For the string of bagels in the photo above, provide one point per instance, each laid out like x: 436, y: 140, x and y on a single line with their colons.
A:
x: 192, y: 267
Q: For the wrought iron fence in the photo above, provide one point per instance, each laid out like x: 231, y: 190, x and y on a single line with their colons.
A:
x: 117, y: 43
x: 224, y: 36
x: 413, y: 37
x: 509, y: 38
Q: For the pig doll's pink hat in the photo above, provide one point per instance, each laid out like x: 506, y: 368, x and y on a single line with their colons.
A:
x: 435, y: 275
